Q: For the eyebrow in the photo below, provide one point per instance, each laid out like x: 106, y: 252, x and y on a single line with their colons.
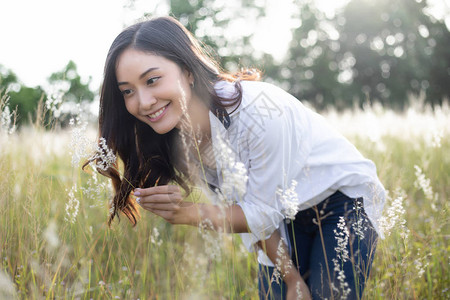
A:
x: 141, y: 76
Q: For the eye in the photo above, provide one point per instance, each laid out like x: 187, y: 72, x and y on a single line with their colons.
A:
x: 126, y: 92
x: 153, y: 80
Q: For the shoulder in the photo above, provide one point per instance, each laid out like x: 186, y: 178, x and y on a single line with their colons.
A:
x: 268, y: 97
x: 263, y: 105
x: 251, y: 90
x: 271, y: 104
x: 266, y: 112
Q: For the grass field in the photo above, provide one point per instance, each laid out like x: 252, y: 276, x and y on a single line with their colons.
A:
x: 55, y: 242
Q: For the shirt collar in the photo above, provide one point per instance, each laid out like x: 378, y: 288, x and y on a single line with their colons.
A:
x: 221, y: 114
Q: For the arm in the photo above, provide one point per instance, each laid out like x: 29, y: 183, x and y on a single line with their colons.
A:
x: 167, y: 202
x: 234, y: 221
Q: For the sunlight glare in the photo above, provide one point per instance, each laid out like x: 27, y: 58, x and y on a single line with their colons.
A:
x: 330, y: 6
x: 273, y: 32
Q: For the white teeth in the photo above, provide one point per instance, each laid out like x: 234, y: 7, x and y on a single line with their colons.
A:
x: 156, y: 114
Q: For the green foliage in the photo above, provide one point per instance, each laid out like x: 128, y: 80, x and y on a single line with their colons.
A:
x: 29, y: 100
x: 210, y: 20
x: 24, y: 98
x: 398, y: 51
x: 77, y: 90
x: 385, y: 51
x: 311, y: 64
x: 45, y: 255
x: 7, y: 77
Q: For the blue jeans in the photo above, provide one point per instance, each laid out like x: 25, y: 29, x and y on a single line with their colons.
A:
x: 315, y: 250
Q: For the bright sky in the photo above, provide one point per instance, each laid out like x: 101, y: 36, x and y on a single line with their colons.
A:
x: 39, y: 37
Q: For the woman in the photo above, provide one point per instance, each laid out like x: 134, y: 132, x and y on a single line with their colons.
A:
x: 166, y: 106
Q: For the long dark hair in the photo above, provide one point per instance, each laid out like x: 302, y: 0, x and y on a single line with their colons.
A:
x: 150, y: 158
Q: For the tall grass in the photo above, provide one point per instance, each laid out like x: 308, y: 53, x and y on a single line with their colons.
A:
x: 55, y: 242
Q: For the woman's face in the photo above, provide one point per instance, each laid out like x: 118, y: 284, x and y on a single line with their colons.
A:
x: 156, y: 90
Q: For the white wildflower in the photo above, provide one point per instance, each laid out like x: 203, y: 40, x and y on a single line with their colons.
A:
x: 343, y: 285
x: 154, y: 238
x: 72, y: 206
x: 234, y: 173
x: 186, y: 124
x: 55, y: 95
x: 433, y: 136
x: 419, y: 267
x: 80, y: 145
x: 423, y: 183
x: 360, y: 225
x: 104, y: 156
x: 395, y: 216
x: 436, y: 139
x: 298, y: 289
x: 289, y: 200
x: 183, y: 99
x: 234, y: 180
x: 211, y: 239
x: 96, y: 191
x: 421, y: 264
x: 7, y: 287
x: 112, y: 206
x: 281, y: 256
x: 276, y: 275
x: 342, y: 240
x: 7, y: 118
x: 51, y: 235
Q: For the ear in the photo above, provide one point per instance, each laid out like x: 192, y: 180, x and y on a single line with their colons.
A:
x: 190, y: 76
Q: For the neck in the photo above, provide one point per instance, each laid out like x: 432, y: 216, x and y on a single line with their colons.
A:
x: 197, y: 121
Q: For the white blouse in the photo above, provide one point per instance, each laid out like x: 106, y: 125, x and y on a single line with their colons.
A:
x: 280, y: 141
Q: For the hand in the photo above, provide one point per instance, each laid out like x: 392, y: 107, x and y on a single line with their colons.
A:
x: 167, y: 202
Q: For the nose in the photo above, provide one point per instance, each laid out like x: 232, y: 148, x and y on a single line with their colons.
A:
x: 146, y: 100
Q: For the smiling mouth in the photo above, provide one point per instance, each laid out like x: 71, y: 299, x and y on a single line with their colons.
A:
x: 158, y: 114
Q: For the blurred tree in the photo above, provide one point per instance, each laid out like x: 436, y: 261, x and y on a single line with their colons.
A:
x: 7, y: 77
x: 69, y: 80
x: 24, y: 98
x: 66, y: 89
x: 397, y: 50
x: 310, y: 67
x: 379, y: 50
x: 224, y: 27
x: 67, y: 94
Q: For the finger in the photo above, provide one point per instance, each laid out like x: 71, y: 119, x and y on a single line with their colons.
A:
x: 166, y: 215
x: 158, y: 198
x: 162, y: 198
x: 161, y: 207
x: 162, y: 189
x: 173, y: 188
